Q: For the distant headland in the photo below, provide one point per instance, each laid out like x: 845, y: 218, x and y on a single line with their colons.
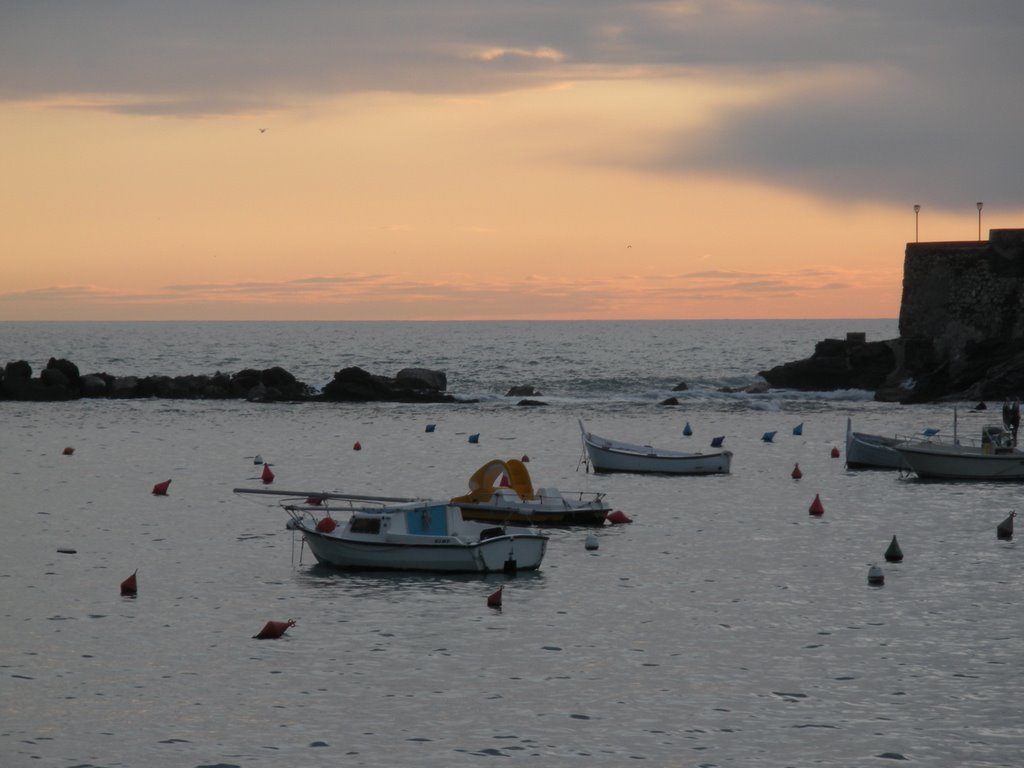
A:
x: 961, y: 330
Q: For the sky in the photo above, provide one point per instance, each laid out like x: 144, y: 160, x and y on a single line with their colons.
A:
x: 457, y: 160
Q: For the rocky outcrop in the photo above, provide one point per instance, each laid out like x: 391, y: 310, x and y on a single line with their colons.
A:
x: 356, y: 385
x: 837, y: 364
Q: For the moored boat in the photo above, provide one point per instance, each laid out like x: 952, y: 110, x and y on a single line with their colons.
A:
x: 867, y: 451
x: 994, y: 457
x: 607, y: 455
x: 406, y: 535
x: 501, y: 491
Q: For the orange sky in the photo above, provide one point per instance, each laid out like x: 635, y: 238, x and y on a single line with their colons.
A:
x: 597, y: 190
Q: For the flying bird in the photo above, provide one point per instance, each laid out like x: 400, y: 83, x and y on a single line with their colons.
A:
x: 263, y: 130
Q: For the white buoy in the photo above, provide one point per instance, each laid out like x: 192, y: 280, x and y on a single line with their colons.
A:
x: 591, y: 542
x: 875, y: 576
x: 257, y: 459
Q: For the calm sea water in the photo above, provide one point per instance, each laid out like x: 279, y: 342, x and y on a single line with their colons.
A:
x: 725, y: 626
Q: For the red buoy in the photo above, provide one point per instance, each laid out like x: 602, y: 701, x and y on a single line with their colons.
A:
x: 797, y: 474
x: 160, y: 489
x: 68, y: 451
x: 314, y: 501
x: 267, y: 477
x: 617, y: 517
x: 525, y: 459
x: 274, y: 629
x: 130, y: 587
x: 817, y: 508
x: 494, y: 599
x: 357, y: 446
x: 835, y: 452
x: 326, y: 524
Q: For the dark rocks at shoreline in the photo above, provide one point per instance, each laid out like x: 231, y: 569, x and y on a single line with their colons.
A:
x: 907, y: 370
x: 522, y: 390
x: 411, y: 385
x: 61, y: 380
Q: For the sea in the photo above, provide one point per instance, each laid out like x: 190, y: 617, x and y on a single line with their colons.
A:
x: 723, y: 626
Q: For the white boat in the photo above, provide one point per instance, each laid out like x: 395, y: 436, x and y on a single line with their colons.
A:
x: 865, y: 451
x: 994, y: 457
x: 405, y: 535
x: 502, y: 492
x: 607, y: 455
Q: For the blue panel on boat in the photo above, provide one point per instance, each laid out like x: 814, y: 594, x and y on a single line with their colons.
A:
x: 427, y: 521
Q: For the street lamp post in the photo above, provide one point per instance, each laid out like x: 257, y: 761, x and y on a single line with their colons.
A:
x: 917, y: 210
x: 979, y: 220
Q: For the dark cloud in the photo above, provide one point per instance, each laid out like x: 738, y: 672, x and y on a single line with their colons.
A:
x: 913, y: 101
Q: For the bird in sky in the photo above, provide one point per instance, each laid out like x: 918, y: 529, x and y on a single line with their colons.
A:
x: 263, y: 130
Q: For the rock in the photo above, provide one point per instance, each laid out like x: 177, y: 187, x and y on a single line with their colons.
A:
x: 356, y: 385
x: 681, y: 387
x: 93, y: 385
x: 422, y: 378
x: 522, y: 390
x: 670, y: 401
x: 531, y: 402
x: 836, y: 364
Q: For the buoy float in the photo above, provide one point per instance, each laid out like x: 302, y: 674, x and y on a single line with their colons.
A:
x: 474, y: 438
x: 160, y: 489
x: 686, y: 430
x: 591, y: 542
x: 768, y: 436
x: 817, y: 508
x: 430, y: 427
x: 326, y: 524
x: 357, y: 446
x: 274, y: 629
x: 618, y: 517
x: 130, y: 586
x: 1005, y: 529
x: 267, y: 476
x: 798, y: 429
x: 67, y: 551
x: 494, y: 599
x: 314, y: 501
x: 835, y: 452
x: 504, y: 482
x: 796, y: 473
x: 257, y: 459
x: 875, y: 576
x: 68, y: 451
x: 894, y: 554
x: 525, y: 459
x: 716, y: 442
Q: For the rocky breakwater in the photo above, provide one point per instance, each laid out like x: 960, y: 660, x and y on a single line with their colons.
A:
x: 60, y: 379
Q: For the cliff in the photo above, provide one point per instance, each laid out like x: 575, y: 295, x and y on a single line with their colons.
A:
x: 961, y: 330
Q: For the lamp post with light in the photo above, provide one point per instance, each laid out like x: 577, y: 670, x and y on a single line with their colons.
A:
x: 979, y: 220
x: 917, y: 210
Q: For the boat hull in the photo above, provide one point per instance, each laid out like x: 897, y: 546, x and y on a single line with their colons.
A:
x: 657, y: 463
x: 446, y: 554
x: 945, y: 463
x: 872, y: 452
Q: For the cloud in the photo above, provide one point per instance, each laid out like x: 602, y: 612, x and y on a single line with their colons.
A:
x: 373, y: 296
x: 898, y: 102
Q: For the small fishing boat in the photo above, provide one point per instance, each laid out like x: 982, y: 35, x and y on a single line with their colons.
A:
x: 866, y: 451
x: 607, y: 455
x: 501, y: 491
x: 405, y: 535
x: 994, y: 457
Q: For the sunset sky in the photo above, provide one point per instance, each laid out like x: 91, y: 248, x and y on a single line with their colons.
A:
x: 573, y: 159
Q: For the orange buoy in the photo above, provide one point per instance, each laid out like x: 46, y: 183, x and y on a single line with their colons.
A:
x: 797, y: 474
x: 835, y: 452
x: 274, y: 629
x: 817, y: 508
x: 617, y: 517
x: 160, y: 489
x: 357, y: 446
x: 326, y: 524
x: 68, y: 451
x: 494, y: 599
x: 130, y: 586
x: 267, y: 477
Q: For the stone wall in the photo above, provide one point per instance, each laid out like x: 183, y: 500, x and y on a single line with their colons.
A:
x: 963, y: 294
